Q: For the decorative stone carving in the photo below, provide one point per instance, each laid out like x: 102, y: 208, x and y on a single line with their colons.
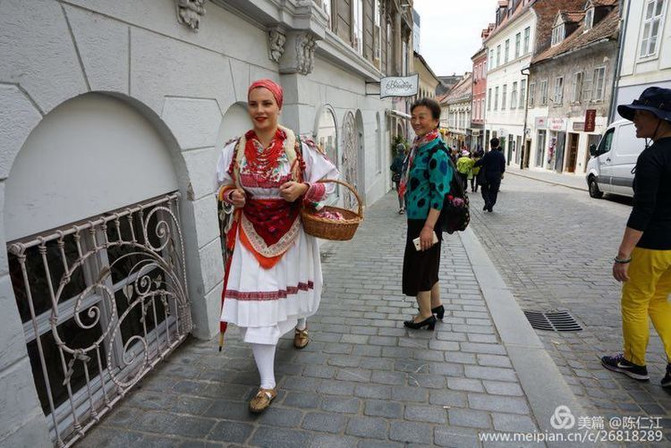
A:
x: 299, y: 52
x: 189, y: 13
x: 276, y: 40
x: 305, y: 52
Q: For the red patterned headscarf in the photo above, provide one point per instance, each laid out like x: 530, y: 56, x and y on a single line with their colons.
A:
x: 271, y: 85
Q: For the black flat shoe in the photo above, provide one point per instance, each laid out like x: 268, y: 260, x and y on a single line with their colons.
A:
x: 429, y: 323
x: 439, y: 311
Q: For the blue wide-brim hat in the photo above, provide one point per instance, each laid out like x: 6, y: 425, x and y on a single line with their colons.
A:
x: 653, y: 99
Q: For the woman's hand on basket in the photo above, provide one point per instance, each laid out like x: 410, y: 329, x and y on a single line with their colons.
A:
x: 290, y: 191
x: 238, y: 198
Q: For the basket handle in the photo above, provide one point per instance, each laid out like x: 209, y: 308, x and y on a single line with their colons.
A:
x: 351, y: 188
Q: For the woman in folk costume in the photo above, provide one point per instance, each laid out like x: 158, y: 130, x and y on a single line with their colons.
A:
x: 274, y: 278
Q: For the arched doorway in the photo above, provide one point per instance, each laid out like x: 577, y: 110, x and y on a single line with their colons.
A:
x: 350, y: 156
x: 96, y: 256
x: 327, y: 134
x: 234, y: 124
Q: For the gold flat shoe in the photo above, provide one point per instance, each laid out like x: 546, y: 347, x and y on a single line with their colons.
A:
x: 301, y: 338
x: 262, y: 400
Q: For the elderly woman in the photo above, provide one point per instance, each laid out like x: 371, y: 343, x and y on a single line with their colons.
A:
x: 424, y: 186
x: 274, y: 278
x: 643, y: 261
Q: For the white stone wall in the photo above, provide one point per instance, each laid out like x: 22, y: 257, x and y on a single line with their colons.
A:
x: 510, y: 120
x: 649, y: 70
x: 183, y: 83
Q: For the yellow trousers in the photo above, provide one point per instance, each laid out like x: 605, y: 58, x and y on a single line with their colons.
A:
x: 646, y: 294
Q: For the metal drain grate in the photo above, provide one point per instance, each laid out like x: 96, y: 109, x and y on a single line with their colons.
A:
x: 552, y: 321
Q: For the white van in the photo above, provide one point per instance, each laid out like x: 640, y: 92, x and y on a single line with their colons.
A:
x: 609, y: 170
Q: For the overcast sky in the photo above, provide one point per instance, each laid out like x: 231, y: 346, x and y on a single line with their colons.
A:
x: 450, y: 32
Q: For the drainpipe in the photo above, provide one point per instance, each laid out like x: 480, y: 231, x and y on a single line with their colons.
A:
x: 616, y: 75
x: 526, y: 112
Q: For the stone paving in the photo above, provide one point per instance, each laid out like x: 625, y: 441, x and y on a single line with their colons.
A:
x: 554, y: 246
x: 364, y: 380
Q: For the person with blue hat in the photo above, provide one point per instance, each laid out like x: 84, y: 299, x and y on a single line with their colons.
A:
x: 643, y: 262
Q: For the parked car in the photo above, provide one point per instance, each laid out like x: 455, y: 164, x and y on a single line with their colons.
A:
x: 611, y: 167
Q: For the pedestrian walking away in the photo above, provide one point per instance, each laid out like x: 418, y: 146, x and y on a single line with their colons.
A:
x: 477, y: 155
x: 397, y: 167
x: 424, y: 186
x: 273, y: 280
x: 465, y: 168
x: 643, y: 261
x: 493, y: 164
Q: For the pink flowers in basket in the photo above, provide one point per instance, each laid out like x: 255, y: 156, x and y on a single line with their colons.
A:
x: 457, y: 202
x: 328, y: 214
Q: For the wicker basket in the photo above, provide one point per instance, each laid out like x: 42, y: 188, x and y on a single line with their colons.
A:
x: 330, y: 229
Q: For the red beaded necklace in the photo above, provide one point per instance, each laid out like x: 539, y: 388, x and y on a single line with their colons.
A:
x: 261, y: 161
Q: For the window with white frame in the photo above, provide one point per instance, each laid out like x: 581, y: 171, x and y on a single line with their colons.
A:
x: 589, y: 19
x: 504, y: 96
x: 377, y: 34
x: 577, y: 87
x: 513, y: 96
x: 558, y: 96
x: 357, y: 28
x: 518, y: 44
x: 390, y: 50
x: 326, y: 6
x: 489, y: 99
x: 527, y: 39
x: 507, y: 51
x: 652, y: 22
x: 491, y: 58
x: 598, y: 83
x: 523, y: 88
x: 557, y: 34
x: 498, y: 55
x: 496, y: 98
x: 532, y: 92
x: 544, y: 92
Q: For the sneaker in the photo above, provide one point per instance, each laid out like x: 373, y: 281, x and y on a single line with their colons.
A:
x: 666, y: 381
x: 617, y: 363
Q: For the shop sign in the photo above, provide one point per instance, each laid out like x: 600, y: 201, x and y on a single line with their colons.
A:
x: 541, y: 123
x: 399, y: 86
x: 590, y: 120
x: 579, y: 126
x: 557, y: 124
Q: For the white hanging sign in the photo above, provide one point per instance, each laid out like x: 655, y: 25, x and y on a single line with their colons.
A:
x: 399, y: 86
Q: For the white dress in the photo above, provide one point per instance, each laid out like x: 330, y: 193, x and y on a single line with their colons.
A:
x: 266, y: 303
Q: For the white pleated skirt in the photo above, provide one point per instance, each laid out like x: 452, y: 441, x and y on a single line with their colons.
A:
x: 267, y: 303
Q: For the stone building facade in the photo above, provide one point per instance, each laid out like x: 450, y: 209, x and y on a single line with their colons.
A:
x: 509, y: 49
x: 112, y: 118
x: 456, y: 105
x: 572, y: 75
x: 645, y: 53
x: 479, y: 93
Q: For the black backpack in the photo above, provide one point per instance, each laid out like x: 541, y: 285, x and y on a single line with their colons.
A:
x: 455, y: 215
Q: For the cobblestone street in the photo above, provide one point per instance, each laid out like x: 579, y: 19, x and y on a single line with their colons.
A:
x: 364, y: 380
x: 554, y: 247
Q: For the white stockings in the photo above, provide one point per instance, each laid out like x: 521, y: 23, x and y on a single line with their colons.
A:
x: 264, y: 355
x: 302, y: 324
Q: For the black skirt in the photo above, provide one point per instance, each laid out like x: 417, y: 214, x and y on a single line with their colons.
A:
x: 420, y: 269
